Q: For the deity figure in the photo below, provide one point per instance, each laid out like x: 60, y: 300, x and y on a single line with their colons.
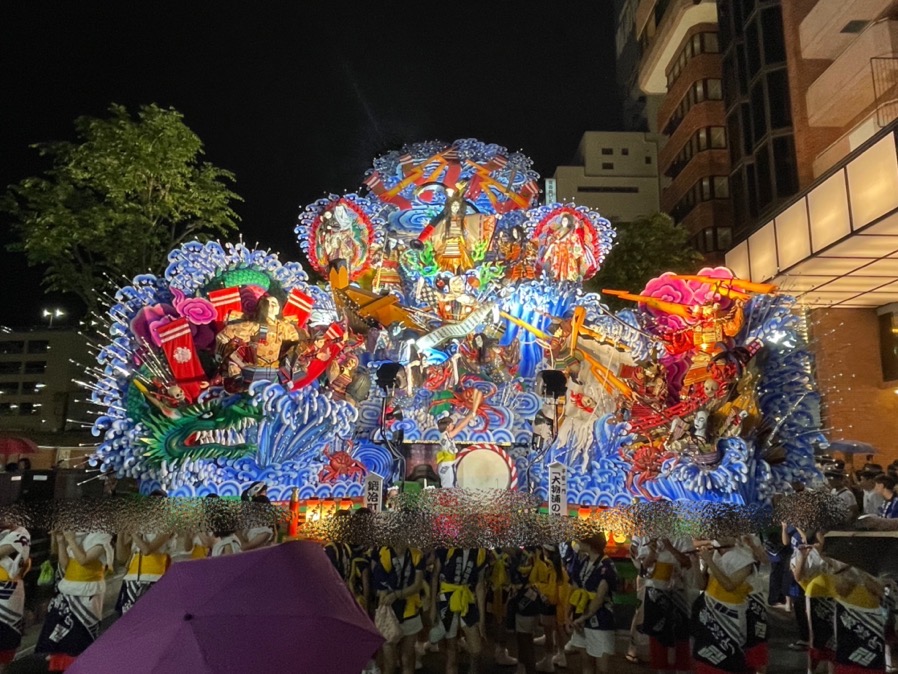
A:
x: 336, y: 237
x: 260, y: 341
x: 455, y: 234
x: 519, y: 254
x: 455, y: 303
x: 566, y: 255
x: 385, y: 275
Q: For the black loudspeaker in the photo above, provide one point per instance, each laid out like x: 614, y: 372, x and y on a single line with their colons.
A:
x: 65, y: 483
x: 387, y: 375
x: 10, y: 488
x: 554, y: 383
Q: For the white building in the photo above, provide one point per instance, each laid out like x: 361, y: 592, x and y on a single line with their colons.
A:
x: 37, y: 380
x: 616, y: 173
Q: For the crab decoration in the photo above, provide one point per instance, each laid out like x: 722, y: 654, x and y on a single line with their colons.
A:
x: 341, y: 466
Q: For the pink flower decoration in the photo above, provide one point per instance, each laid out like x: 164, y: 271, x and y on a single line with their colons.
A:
x: 197, y: 310
x: 146, y: 323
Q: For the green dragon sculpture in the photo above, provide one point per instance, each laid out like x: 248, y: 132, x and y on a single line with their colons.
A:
x: 222, y: 428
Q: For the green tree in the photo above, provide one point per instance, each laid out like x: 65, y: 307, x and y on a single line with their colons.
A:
x: 115, y: 202
x: 644, y: 249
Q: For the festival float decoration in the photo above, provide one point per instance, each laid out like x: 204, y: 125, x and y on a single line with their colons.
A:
x: 452, y: 345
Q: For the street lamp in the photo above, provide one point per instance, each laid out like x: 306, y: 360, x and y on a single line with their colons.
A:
x: 52, y: 313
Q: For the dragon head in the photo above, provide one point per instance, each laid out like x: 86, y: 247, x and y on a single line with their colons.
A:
x: 224, y: 428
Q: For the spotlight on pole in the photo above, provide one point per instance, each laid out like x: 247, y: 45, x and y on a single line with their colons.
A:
x: 50, y: 313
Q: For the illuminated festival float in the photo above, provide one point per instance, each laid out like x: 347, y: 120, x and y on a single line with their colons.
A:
x: 451, y: 345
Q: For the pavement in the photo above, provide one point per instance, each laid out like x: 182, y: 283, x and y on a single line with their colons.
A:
x: 781, y: 628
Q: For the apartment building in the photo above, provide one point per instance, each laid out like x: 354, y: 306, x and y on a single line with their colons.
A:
x: 38, y: 369
x: 670, y: 70
x: 811, y: 89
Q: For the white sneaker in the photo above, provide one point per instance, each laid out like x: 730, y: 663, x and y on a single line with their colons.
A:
x: 431, y: 648
x: 545, y: 665
x: 420, y: 649
x: 503, y: 659
x: 569, y: 647
x: 559, y: 659
x: 540, y: 641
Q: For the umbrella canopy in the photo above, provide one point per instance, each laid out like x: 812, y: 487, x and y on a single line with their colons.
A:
x: 279, y: 609
x: 851, y: 447
x: 15, y: 445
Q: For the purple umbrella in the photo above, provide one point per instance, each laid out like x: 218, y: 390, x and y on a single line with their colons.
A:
x: 279, y: 609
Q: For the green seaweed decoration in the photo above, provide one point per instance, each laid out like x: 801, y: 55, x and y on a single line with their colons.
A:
x: 479, y: 251
x: 420, y: 262
x: 489, y: 272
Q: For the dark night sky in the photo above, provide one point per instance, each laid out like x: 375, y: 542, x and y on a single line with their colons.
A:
x: 297, y: 98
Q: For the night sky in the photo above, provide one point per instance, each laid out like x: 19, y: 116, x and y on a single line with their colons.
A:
x: 297, y: 98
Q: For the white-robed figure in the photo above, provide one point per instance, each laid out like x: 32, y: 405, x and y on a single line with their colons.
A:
x: 15, y: 560
x: 73, y: 618
x: 447, y: 455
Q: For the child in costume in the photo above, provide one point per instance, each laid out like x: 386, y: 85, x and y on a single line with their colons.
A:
x: 459, y: 601
x: 399, y: 582
x: 591, y: 612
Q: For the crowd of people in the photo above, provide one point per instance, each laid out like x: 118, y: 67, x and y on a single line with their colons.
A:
x: 83, y: 561
x: 703, y: 604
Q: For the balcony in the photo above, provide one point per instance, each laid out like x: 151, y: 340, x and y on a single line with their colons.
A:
x: 846, y: 89
x: 662, y: 27
x: 830, y: 27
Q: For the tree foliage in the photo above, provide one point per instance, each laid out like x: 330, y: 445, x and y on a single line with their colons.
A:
x: 115, y: 202
x: 644, y: 249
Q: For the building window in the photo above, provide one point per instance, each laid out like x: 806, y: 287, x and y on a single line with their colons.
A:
x: 9, y: 388
x: 35, y: 367
x: 700, y: 43
x: 855, y: 26
x: 764, y: 187
x: 774, y: 40
x: 778, y: 99
x: 8, y: 409
x: 785, y: 166
x: 708, y: 188
x: 30, y: 388
x: 607, y: 150
x: 608, y: 165
x: 38, y: 346
x: 625, y: 151
x: 713, y: 239
x: 12, y: 347
x: 713, y: 137
x: 888, y: 346
x: 721, y: 187
x: 29, y: 409
x: 14, y: 367
x: 700, y: 91
x: 758, y: 110
x: 648, y: 160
